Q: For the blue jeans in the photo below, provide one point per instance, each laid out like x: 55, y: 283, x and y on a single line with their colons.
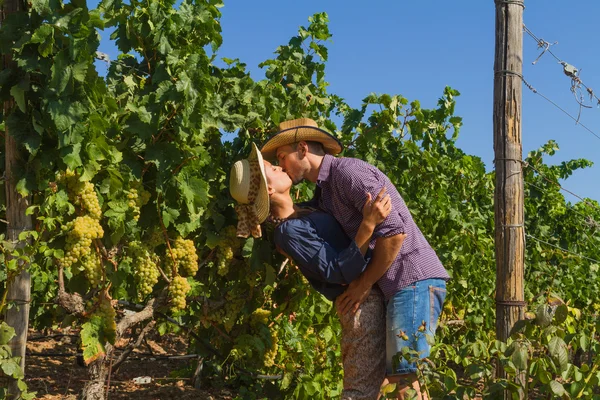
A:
x: 412, y: 313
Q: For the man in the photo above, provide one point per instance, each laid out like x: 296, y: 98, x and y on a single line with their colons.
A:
x: 403, y: 264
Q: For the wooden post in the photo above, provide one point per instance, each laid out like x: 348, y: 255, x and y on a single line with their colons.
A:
x: 508, y: 198
x: 18, y: 290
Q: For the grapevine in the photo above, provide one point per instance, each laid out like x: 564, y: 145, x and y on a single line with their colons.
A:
x: 169, y: 130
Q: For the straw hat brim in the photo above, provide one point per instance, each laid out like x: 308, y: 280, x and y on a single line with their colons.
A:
x: 297, y: 134
x: 240, y: 180
x: 262, y: 198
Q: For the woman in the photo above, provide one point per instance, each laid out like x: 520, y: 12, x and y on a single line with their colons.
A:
x: 325, y: 255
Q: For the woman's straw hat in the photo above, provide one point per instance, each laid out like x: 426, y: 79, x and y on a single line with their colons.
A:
x: 248, y: 186
x: 297, y: 130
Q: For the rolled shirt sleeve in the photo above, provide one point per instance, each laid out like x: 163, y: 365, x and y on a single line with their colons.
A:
x: 316, y: 258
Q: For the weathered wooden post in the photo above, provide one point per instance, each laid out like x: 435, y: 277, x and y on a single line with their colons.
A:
x: 508, y: 197
x: 19, y: 287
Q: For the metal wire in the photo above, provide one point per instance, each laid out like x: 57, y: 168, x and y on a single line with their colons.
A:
x: 562, y: 188
x: 528, y: 85
x: 562, y: 249
x: 575, y: 79
x: 586, y: 217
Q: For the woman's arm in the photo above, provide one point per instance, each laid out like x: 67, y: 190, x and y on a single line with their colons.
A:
x: 299, y: 240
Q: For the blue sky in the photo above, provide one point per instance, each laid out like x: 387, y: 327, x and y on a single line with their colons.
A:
x: 416, y: 48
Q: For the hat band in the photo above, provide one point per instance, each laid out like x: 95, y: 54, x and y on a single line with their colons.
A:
x: 309, y: 127
x: 248, y: 223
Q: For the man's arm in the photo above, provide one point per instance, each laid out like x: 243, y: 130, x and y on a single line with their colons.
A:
x: 385, y: 252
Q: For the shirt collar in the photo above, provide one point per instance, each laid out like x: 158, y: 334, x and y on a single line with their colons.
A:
x: 325, y: 168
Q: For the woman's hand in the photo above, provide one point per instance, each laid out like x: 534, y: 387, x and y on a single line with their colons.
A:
x: 374, y: 212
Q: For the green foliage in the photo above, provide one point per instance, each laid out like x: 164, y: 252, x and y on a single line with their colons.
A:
x: 555, y: 352
x: 149, y: 144
x: 10, y: 366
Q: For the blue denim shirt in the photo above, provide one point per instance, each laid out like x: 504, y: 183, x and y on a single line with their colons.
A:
x: 325, y: 255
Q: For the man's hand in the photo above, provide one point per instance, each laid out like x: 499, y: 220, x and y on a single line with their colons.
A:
x: 353, y: 297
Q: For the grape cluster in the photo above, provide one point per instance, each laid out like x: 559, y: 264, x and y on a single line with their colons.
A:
x: 92, y: 268
x: 228, y: 314
x: 88, y: 199
x: 321, y: 350
x: 271, y: 353
x: 253, y: 278
x: 155, y: 238
x: 178, y: 289
x: 82, y: 231
x: 137, y: 198
x: 226, y: 249
x: 107, y: 312
x: 83, y: 194
x: 146, y: 270
x: 260, y: 316
x: 186, y: 259
x: 224, y: 255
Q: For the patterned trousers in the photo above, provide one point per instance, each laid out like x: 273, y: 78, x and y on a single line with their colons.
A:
x: 363, y: 349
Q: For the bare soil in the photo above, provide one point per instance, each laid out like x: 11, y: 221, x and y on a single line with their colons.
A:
x: 53, y: 372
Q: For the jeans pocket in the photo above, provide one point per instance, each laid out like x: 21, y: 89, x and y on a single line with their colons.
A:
x: 437, y: 295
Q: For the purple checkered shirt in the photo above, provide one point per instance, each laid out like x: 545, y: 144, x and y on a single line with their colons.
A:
x: 344, y: 183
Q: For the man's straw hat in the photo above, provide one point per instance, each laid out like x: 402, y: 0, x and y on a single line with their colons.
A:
x: 248, y: 186
x: 297, y: 130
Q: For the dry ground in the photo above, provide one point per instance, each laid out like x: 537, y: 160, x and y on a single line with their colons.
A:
x: 60, y: 377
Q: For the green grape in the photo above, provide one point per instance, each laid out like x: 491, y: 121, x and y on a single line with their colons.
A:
x: 137, y: 197
x: 321, y: 351
x: 226, y: 315
x: 260, y: 316
x: 232, y: 311
x: 225, y: 255
x: 81, y: 232
x: 108, y: 314
x: 146, y: 270
x: 92, y: 268
x: 144, y: 196
x: 184, y: 253
x: 132, y: 198
x: 89, y: 199
x: 82, y: 194
x: 228, y: 246
x: 271, y: 353
x: 156, y: 238
x: 178, y: 289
